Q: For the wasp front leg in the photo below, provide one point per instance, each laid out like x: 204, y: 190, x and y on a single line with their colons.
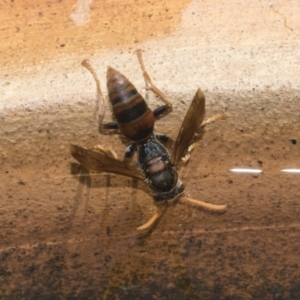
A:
x: 150, y: 86
x: 159, y: 212
x: 106, y: 150
x: 206, y: 205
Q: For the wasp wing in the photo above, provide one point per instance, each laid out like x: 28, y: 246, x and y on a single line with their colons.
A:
x: 96, y: 160
x: 193, y: 119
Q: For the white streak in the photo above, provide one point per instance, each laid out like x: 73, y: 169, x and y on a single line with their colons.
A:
x: 81, y: 15
x: 242, y: 170
x: 291, y: 171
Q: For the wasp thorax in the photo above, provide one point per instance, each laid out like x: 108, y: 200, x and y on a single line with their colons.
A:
x: 163, y: 180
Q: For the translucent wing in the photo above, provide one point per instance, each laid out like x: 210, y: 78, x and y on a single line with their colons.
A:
x: 193, y: 119
x: 96, y: 160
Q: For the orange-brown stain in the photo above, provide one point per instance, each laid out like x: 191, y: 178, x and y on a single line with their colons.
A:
x: 35, y: 31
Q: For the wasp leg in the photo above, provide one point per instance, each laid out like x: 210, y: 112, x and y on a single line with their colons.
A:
x: 101, y: 100
x: 110, y: 125
x: 206, y: 205
x: 163, y: 138
x: 107, y: 150
x: 214, y: 119
x: 161, y: 110
x: 150, y: 85
x: 166, y: 140
x: 152, y: 220
x: 190, y: 149
x: 130, y: 150
x: 197, y: 144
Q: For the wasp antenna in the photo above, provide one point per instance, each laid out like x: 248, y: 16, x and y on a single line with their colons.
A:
x: 206, y: 205
x: 152, y: 220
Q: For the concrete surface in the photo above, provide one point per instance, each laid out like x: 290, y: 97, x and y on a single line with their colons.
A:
x: 65, y: 236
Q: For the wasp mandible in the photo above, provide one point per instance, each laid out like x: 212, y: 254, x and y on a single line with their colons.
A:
x: 135, y: 120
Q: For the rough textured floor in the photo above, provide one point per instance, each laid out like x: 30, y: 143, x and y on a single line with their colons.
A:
x: 66, y: 236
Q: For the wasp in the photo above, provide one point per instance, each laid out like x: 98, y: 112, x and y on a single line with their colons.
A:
x: 135, y: 120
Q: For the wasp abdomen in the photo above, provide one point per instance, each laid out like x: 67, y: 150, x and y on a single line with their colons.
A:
x: 135, y: 118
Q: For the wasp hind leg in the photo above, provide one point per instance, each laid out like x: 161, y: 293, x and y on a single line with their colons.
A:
x: 165, y: 139
x: 150, y: 86
x: 130, y: 150
x: 101, y: 102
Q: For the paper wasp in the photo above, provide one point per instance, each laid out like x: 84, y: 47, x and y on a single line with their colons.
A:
x: 136, y: 121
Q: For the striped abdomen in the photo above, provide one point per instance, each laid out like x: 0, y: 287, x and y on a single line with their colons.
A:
x: 135, y: 118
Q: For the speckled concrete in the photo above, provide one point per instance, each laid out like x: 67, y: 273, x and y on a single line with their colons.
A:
x: 228, y: 45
